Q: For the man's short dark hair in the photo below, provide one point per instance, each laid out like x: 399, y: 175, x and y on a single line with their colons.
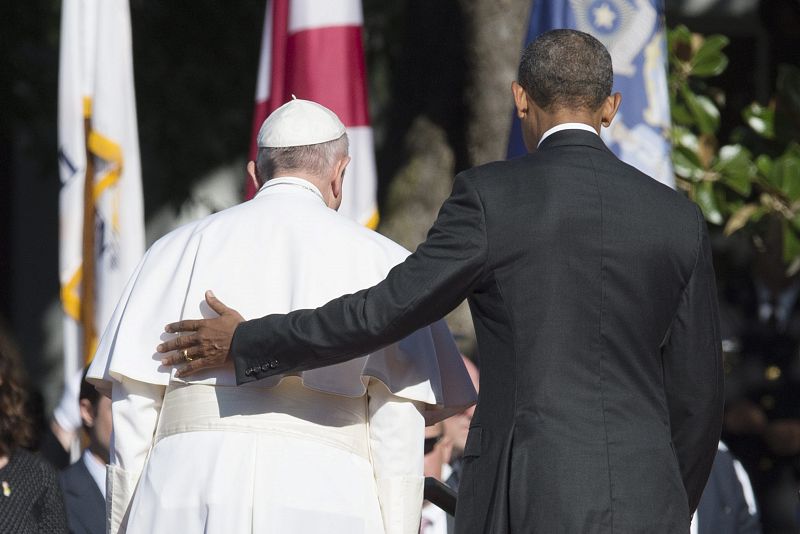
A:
x: 566, y: 69
x: 87, y: 390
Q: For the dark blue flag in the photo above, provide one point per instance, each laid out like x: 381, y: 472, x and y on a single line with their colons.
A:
x: 633, y: 32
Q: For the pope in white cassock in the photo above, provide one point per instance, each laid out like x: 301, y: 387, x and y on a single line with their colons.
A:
x: 335, y: 450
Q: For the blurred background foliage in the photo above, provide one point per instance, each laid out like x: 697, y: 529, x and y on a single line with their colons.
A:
x: 749, y: 182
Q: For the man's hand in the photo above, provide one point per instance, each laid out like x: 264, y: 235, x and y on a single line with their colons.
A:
x: 209, y: 343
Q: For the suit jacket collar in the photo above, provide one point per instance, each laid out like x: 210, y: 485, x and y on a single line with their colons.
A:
x: 574, y: 138
x: 84, y: 499
x: 85, y: 485
x: 96, y: 469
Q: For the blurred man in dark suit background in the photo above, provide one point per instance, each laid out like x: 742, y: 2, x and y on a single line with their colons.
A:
x: 84, y: 482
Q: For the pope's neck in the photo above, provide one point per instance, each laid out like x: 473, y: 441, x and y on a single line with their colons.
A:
x: 318, y: 186
x: 299, y: 174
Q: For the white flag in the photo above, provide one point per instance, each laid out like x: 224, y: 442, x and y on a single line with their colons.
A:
x: 96, y: 91
x: 74, y: 97
x: 114, y: 143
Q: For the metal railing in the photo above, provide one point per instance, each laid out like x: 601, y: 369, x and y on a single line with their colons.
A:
x: 441, y: 495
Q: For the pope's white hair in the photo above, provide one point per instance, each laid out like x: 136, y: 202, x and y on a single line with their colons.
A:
x: 315, y: 159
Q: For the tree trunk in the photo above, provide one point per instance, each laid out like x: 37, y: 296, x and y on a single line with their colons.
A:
x: 495, y: 31
x: 446, y: 106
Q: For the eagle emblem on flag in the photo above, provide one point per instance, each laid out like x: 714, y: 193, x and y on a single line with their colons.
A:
x: 623, y: 27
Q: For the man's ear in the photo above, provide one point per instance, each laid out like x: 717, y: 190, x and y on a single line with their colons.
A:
x: 251, y: 172
x: 87, y: 412
x: 609, y: 109
x: 338, y: 180
x: 520, y: 99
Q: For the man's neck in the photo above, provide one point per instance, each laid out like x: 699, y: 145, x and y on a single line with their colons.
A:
x: 99, y: 452
x: 566, y: 126
x: 555, y: 118
x: 547, y: 120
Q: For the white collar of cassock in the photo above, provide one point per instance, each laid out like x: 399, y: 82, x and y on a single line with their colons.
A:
x: 291, y: 181
x: 566, y: 126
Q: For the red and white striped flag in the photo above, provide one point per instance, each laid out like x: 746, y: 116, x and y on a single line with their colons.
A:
x: 314, y: 50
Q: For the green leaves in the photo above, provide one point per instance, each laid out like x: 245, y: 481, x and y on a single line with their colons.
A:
x: 736, y: 168
x: 702, y: 110
x: 745, y: 184
x: 761, y: 119
x: 704, y: 196
x: 709, y: 60
x: 791, y: 244
x: 785, y: 173
x: 679, y: 44
x: 741, y: 217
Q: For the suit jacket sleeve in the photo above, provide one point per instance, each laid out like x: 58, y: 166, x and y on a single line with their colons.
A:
x: 429, y: 284
x: 692, y: 362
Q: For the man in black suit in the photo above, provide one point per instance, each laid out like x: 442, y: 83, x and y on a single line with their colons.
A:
x: 592, y: 293
x: 83, y: 483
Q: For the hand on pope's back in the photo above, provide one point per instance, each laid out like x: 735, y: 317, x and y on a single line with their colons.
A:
x: 204, y: 343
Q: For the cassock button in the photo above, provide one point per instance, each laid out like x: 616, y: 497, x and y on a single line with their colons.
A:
x: 273, y: 364
x: 265, y: 367
x: 248, y: 371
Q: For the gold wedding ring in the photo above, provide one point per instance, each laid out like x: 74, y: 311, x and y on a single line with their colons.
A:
x: 186, y: 355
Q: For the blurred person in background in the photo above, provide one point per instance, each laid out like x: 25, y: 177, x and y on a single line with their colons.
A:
x: 84, y: 482
x: 62, y: 440
x: 30, y: 498
x: 762, y: 383
x: 728, y: 505
x: 438, y: 447
x: 456, y: 429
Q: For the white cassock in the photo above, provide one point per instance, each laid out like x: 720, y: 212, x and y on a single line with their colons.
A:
x: 335, y: 450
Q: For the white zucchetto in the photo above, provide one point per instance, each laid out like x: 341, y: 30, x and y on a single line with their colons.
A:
x: 299, y: 123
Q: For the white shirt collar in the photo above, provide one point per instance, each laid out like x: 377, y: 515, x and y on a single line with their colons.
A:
x: 292, y: 180
x: 566, y: 126
x: 447, y: 470
x: 97, y: 470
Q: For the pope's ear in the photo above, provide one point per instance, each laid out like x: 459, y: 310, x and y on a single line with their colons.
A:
x: 251, y: 172
x: 338, y: 181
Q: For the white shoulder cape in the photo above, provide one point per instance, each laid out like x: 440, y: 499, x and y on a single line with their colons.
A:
x: 281, y: 251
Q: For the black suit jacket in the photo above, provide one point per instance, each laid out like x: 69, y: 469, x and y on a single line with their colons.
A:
x: 592, y: 292
x: 86, y: 508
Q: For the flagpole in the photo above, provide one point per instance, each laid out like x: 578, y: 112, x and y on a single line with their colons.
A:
x: 87, y: 314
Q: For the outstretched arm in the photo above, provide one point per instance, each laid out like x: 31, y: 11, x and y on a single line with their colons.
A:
x: 429, y: 284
